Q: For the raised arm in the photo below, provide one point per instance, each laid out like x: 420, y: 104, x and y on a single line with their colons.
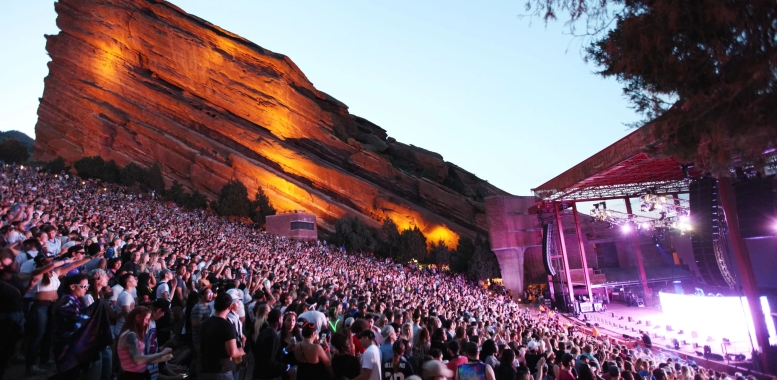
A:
x: 130, y: 343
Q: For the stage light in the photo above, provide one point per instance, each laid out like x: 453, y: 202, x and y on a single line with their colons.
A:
x: 626, y: 228
x: 645, y: 226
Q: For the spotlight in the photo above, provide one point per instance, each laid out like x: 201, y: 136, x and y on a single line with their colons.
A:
x: 626, y: 228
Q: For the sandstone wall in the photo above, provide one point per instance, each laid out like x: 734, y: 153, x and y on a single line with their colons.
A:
x: 143, y: 81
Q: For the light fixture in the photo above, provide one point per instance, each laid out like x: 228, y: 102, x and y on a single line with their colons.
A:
x: 626, y: 228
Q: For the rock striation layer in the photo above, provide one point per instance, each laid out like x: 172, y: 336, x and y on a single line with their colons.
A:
x: 143, y: 81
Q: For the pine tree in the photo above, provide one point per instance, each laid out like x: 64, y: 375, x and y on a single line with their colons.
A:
x: 90, y: 167
x: 261, y: 207
x: 233, y: 200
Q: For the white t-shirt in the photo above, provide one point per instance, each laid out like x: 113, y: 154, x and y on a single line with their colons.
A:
x: 125, y: 299
x: 52, y: 286
x: 15, y: 236
x: 371, y: 359
x: 115, y: 291
x: 161, y: 289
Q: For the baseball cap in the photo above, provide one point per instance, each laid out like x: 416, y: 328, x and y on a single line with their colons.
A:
x: 234, y: 293
x: 367, y: 334
x: 348, y: 322
x: 386, y: 331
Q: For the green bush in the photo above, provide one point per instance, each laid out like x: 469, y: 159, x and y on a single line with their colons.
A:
x: 55, y: 166
x: 90, y: 167
x: 111, y: 172
x: 132, y: 174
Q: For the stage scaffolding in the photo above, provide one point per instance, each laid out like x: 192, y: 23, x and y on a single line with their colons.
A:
x: 627, y: 169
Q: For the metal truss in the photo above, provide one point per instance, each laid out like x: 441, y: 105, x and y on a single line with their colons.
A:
x: 583, y: 193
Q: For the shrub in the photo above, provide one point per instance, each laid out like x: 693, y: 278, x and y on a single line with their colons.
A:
x: 56, y: 166
x: 90, y: 167
x: 132, y: 174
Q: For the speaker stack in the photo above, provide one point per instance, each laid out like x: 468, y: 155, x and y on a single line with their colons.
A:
x: 705, y: 222
x: 756, y: 208
x: 547, y: 244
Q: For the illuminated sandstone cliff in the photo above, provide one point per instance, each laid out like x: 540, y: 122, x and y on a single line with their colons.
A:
x: 142, y: 81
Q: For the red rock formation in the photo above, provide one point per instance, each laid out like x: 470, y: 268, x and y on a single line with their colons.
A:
x: 142, y: 81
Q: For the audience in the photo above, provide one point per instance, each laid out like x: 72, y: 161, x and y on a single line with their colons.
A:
x: 187, y: 293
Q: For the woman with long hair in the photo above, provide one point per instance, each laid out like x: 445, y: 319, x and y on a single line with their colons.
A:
x: 406, y: 333
x: 131, y: 344
x: 313, y: 361
x: 260, y: 321
x: 46, y: 275
x: 289, y: 333
x: 344, y: 362
x: 422, y: 346
x: 507, y: 369
x: 488, y: 354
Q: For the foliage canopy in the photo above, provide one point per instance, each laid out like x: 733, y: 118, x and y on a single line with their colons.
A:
x: 703, y: 73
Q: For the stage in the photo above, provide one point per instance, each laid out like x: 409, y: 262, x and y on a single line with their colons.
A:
x: 686, y: 331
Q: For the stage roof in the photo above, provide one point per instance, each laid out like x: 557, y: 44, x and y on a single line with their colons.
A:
x: 623, y: 169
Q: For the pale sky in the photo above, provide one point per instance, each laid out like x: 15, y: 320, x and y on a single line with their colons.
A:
x: 506, y: 98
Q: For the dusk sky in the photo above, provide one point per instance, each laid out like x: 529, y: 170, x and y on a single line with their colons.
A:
x: 506, y: 98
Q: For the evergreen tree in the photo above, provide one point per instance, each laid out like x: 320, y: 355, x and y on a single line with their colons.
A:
x: 90, y: 167
x: 153, y: 179
x: 354, y: 235
x: 233, y: 200
x: 13, y: 152
x: 484, y: 264
x: 703, y: 73
x: 461, y: 257
x: 261, y: 207
x: 175, y: 194
x: 440, y: 253
x: 413, y: 245
x: 111, y: 172
x: 196, y: 200
x: 388, y: 239
x: 56, y: 166
x: 132, y: 174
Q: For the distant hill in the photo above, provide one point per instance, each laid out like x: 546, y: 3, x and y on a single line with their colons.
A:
x: 18, y: 136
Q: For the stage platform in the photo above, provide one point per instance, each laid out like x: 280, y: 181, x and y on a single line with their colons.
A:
x: 685, y: 333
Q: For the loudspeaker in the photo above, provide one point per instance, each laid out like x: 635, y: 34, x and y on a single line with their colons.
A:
x: 547, y: 243
x: 562, y: 303
x: 755, y: 207
x: 705, y: 229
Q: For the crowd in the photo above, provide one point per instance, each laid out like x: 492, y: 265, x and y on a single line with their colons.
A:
x: 98, y: 282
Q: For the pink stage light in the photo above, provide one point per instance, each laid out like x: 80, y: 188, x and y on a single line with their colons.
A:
x: 626, y: 228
